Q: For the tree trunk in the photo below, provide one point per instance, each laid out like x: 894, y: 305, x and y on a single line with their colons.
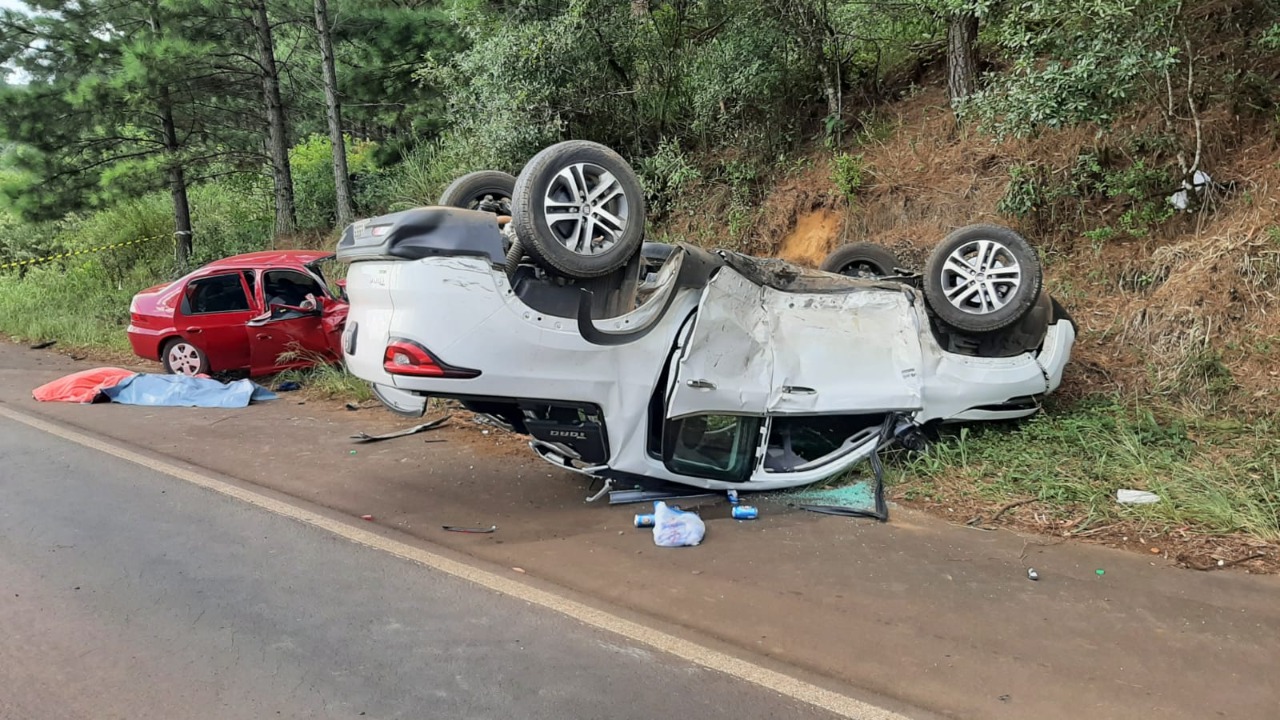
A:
x: 962, y: 71
x: 341, y: 178
x: 177, y: 182
x: 277, y: 130
x: 832, y: 91
x: 182, y: 237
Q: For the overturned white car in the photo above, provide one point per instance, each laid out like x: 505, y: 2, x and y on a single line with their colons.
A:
x: 630, y: 361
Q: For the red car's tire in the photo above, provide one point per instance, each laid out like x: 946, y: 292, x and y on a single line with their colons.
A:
x: 183, y: 357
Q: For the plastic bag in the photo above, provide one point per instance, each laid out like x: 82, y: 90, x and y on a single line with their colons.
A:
x: 673, y: 527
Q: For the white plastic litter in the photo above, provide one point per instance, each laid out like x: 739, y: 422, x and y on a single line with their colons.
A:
x: 1136, y: 497
x: 673, y: 527
x: 1199, y: 180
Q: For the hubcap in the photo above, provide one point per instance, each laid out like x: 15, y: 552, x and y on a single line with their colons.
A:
x: 586, y: 209
x: 184, y: 359
x: 980, y: 277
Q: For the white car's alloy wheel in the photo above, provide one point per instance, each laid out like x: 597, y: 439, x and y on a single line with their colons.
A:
x: 980, y: 277
x: 586, y: 209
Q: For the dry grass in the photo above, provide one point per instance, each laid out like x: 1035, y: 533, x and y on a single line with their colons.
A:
x: 1186, y: 312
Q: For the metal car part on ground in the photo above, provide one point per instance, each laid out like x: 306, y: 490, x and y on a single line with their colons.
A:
x: 710, y: 369
x: 253, y: 314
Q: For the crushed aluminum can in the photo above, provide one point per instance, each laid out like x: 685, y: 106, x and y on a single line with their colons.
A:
x: 1032, y: 574
x: 745, y: 512
x: 646, y: 520
x: 733, y: 497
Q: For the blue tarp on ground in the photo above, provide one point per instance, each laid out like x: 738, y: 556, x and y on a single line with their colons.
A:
x: 185, y: 391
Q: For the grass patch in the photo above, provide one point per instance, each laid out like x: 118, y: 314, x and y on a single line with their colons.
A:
x: 75, y: 305
x: 331, y: 382
x: 1213, y: 477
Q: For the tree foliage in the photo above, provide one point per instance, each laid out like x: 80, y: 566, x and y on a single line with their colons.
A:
x: 713, y: 90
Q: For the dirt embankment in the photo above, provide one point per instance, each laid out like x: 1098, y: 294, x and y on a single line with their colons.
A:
x: 1182, y: 311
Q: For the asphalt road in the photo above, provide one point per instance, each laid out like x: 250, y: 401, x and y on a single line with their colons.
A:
x: 125, y: 593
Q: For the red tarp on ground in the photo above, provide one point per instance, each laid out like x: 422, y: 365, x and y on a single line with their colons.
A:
x: 81, y: 387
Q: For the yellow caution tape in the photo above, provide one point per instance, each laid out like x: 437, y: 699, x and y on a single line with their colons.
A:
x: 73, y: 253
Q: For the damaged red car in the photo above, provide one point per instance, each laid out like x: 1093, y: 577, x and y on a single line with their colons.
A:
x: 257, y: 313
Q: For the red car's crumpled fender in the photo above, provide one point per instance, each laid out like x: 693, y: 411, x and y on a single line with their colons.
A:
x: 81, y: 387
x: 332, y: 320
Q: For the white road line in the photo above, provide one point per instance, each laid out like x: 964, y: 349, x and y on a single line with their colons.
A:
x: 684, y: 649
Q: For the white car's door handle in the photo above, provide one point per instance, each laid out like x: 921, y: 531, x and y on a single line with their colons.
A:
x: 797, y: 390
x: 701, y: 384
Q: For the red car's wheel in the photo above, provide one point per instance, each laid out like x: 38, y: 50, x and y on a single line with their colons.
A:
x: 181, y: 357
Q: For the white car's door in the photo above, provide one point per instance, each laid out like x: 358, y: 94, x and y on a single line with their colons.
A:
x: 726, y: 364
x: 843, y: 353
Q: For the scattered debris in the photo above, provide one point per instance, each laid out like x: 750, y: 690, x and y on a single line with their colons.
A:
x: 475, y: 530
x: 492, y: 421
x: 1199, y: 181
x: 744, y: 512
x: 365, y: 437
x: 43, y: 345
x: 519, y: 570
x: 1136, y: 497
x: 352, y: 406
x: 1100, y: 572
x: 862, y: 499
x: 674, y: 527
x: 1221, y: 563
x: 289, y: 386
x: 366, y: 517
x: 1032, y: 574
x: 977, y: 521
x: 353, y: 452
x: 660, y: 491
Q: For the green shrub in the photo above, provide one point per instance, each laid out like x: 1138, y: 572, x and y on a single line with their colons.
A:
x: 1024, y: 194
x: 421, y: 176
x: 315, y: 195
x: 846, y: 173
x: 665, y: 174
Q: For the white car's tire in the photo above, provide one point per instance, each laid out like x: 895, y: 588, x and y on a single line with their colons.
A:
x: 578, y: 209
x: 482, y: 190
x: 982, y: 278
x: 861, y: 260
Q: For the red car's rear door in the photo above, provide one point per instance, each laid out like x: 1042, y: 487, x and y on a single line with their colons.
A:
x: 212, y: 316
